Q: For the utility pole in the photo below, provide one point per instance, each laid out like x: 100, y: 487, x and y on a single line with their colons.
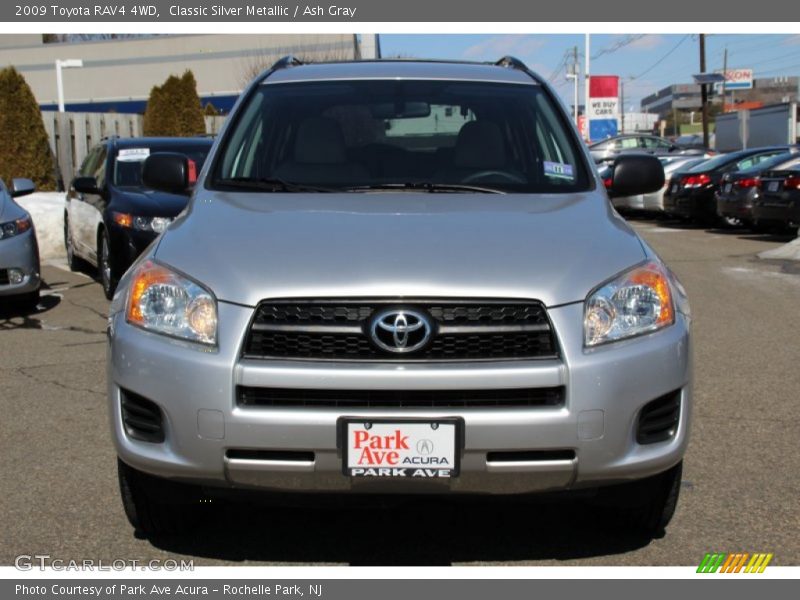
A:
x: 704, y: 89
x: 724, y: 81
x: 586, y: 95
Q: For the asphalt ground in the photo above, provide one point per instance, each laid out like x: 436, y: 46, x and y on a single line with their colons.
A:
x: 740, y: 489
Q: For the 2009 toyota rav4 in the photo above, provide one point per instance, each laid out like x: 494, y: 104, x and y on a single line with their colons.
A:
x: 399, y: 277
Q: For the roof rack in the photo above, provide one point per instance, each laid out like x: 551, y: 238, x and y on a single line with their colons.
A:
x: 512, y: 62
x: 287, y: 61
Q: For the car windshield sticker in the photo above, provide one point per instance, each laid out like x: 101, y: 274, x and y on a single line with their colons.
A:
x: 559, y: 170
x: 133, y: 154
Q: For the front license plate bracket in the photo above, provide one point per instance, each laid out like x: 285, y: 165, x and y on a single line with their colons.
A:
x: 410, y: 448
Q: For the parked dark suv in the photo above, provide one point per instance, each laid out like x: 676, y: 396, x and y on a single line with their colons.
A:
x: 110, y: 216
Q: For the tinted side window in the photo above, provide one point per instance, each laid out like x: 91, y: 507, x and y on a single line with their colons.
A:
x: 87, y: 168
x: 99, y: 168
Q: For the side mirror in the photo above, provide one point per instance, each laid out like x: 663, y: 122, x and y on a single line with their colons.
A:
x: 21, y: 186
x: 85, y: 185
x: 635, y: 174
x: 167, y: 172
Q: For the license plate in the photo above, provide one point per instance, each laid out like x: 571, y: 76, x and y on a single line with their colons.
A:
x: 400, y: 448
x: 728, y: 187
x: 773, y: 186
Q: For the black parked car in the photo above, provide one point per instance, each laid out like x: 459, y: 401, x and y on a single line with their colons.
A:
x: 110, y: 216
x: 691, y: 194
x: 778, y: 200
x: 738, y: 189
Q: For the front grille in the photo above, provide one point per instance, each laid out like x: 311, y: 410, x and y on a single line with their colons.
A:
x: 141, y: 417
x: 659, y: 419
x: 3, y: 276
x: 337, y: 330
x: 290, y: 397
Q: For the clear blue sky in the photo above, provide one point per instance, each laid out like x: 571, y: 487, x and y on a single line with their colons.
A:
x: 647, y: 63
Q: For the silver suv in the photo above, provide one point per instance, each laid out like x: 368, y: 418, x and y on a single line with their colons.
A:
x: 399, y: 277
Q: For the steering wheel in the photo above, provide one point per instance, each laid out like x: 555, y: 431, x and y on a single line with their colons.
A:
x: 480, y: 175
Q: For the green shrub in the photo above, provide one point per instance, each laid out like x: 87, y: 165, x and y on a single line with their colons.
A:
x: 25, y: 151
x: 174, y: 108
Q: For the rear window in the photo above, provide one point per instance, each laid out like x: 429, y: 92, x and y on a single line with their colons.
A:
x: 129, y: 161
x: 356, y: 134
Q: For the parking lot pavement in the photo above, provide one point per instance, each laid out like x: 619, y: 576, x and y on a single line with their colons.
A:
x: 739, y: 493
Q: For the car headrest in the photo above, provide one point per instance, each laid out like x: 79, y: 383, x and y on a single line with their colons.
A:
x: 319, y: 141
x: 480, y: 146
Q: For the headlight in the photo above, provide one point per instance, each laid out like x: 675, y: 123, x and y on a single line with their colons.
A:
x: 163, y: 301
x: 638, y: 301
x: 12, y: 228
x: 155, y: 224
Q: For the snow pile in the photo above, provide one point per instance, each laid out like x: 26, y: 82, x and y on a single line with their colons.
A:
x: 790, y: 251
x: 47, y: 212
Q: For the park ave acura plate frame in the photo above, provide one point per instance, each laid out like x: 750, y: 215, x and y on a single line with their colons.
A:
x: 401, y: 447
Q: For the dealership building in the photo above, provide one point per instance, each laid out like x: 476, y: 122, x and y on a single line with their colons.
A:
x: 117, y: 74
x: 686, y: 97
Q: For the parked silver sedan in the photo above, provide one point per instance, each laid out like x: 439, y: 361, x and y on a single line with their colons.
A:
x: 19, y: 252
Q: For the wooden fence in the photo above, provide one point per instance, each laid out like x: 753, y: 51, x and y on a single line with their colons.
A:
x: 72, y: 135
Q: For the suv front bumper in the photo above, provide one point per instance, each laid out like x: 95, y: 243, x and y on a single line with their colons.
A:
x: 195, y: 388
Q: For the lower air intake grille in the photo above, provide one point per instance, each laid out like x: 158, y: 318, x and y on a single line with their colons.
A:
x: 142, y: 418
x: 3, y: 276
x: 279, y: 397
x: 658, y: 420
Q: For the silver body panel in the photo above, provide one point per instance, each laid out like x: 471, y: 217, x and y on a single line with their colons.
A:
x: 552, y: 248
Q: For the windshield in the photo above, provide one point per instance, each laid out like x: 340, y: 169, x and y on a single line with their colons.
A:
x: 381, y: 133
x: 129, y: 161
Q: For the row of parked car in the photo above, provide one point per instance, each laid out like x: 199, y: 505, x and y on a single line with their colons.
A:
x: 757, y: 188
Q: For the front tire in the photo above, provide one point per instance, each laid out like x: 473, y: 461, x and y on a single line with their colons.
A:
x: 105, y: 265
x: 156, y: 506
x: 28, y: 302
x: 646, y: 506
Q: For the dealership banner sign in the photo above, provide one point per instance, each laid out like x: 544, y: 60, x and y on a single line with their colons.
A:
x: 603, y: 107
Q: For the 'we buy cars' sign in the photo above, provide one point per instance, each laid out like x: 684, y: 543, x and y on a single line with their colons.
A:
x: 603, y: 109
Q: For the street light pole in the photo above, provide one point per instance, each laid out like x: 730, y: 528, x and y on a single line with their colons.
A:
x: 574, y: 74
x: 72, y: 63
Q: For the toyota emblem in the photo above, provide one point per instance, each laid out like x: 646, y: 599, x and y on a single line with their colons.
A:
x: 400, y: 330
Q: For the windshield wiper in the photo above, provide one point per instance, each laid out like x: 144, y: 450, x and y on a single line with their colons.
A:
x: 270, y: 185
x: 426, y: 186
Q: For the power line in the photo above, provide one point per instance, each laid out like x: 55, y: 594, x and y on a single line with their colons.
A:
x: 662, y: 59
x: 626, y: 41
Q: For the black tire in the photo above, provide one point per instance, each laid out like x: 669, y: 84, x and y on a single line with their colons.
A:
x: 645, y: 506
x: 28, y: 302
x: 73, y: 262
x: 156, y: 506
x: 105, y: 265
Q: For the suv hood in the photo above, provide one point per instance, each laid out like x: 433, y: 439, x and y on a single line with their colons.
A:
x: 249, y: 246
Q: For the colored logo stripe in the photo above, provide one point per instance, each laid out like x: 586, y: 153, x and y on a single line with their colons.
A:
x: 734, y: 563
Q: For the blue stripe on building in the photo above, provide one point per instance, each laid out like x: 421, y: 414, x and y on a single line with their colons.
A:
x: 223, y: 104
